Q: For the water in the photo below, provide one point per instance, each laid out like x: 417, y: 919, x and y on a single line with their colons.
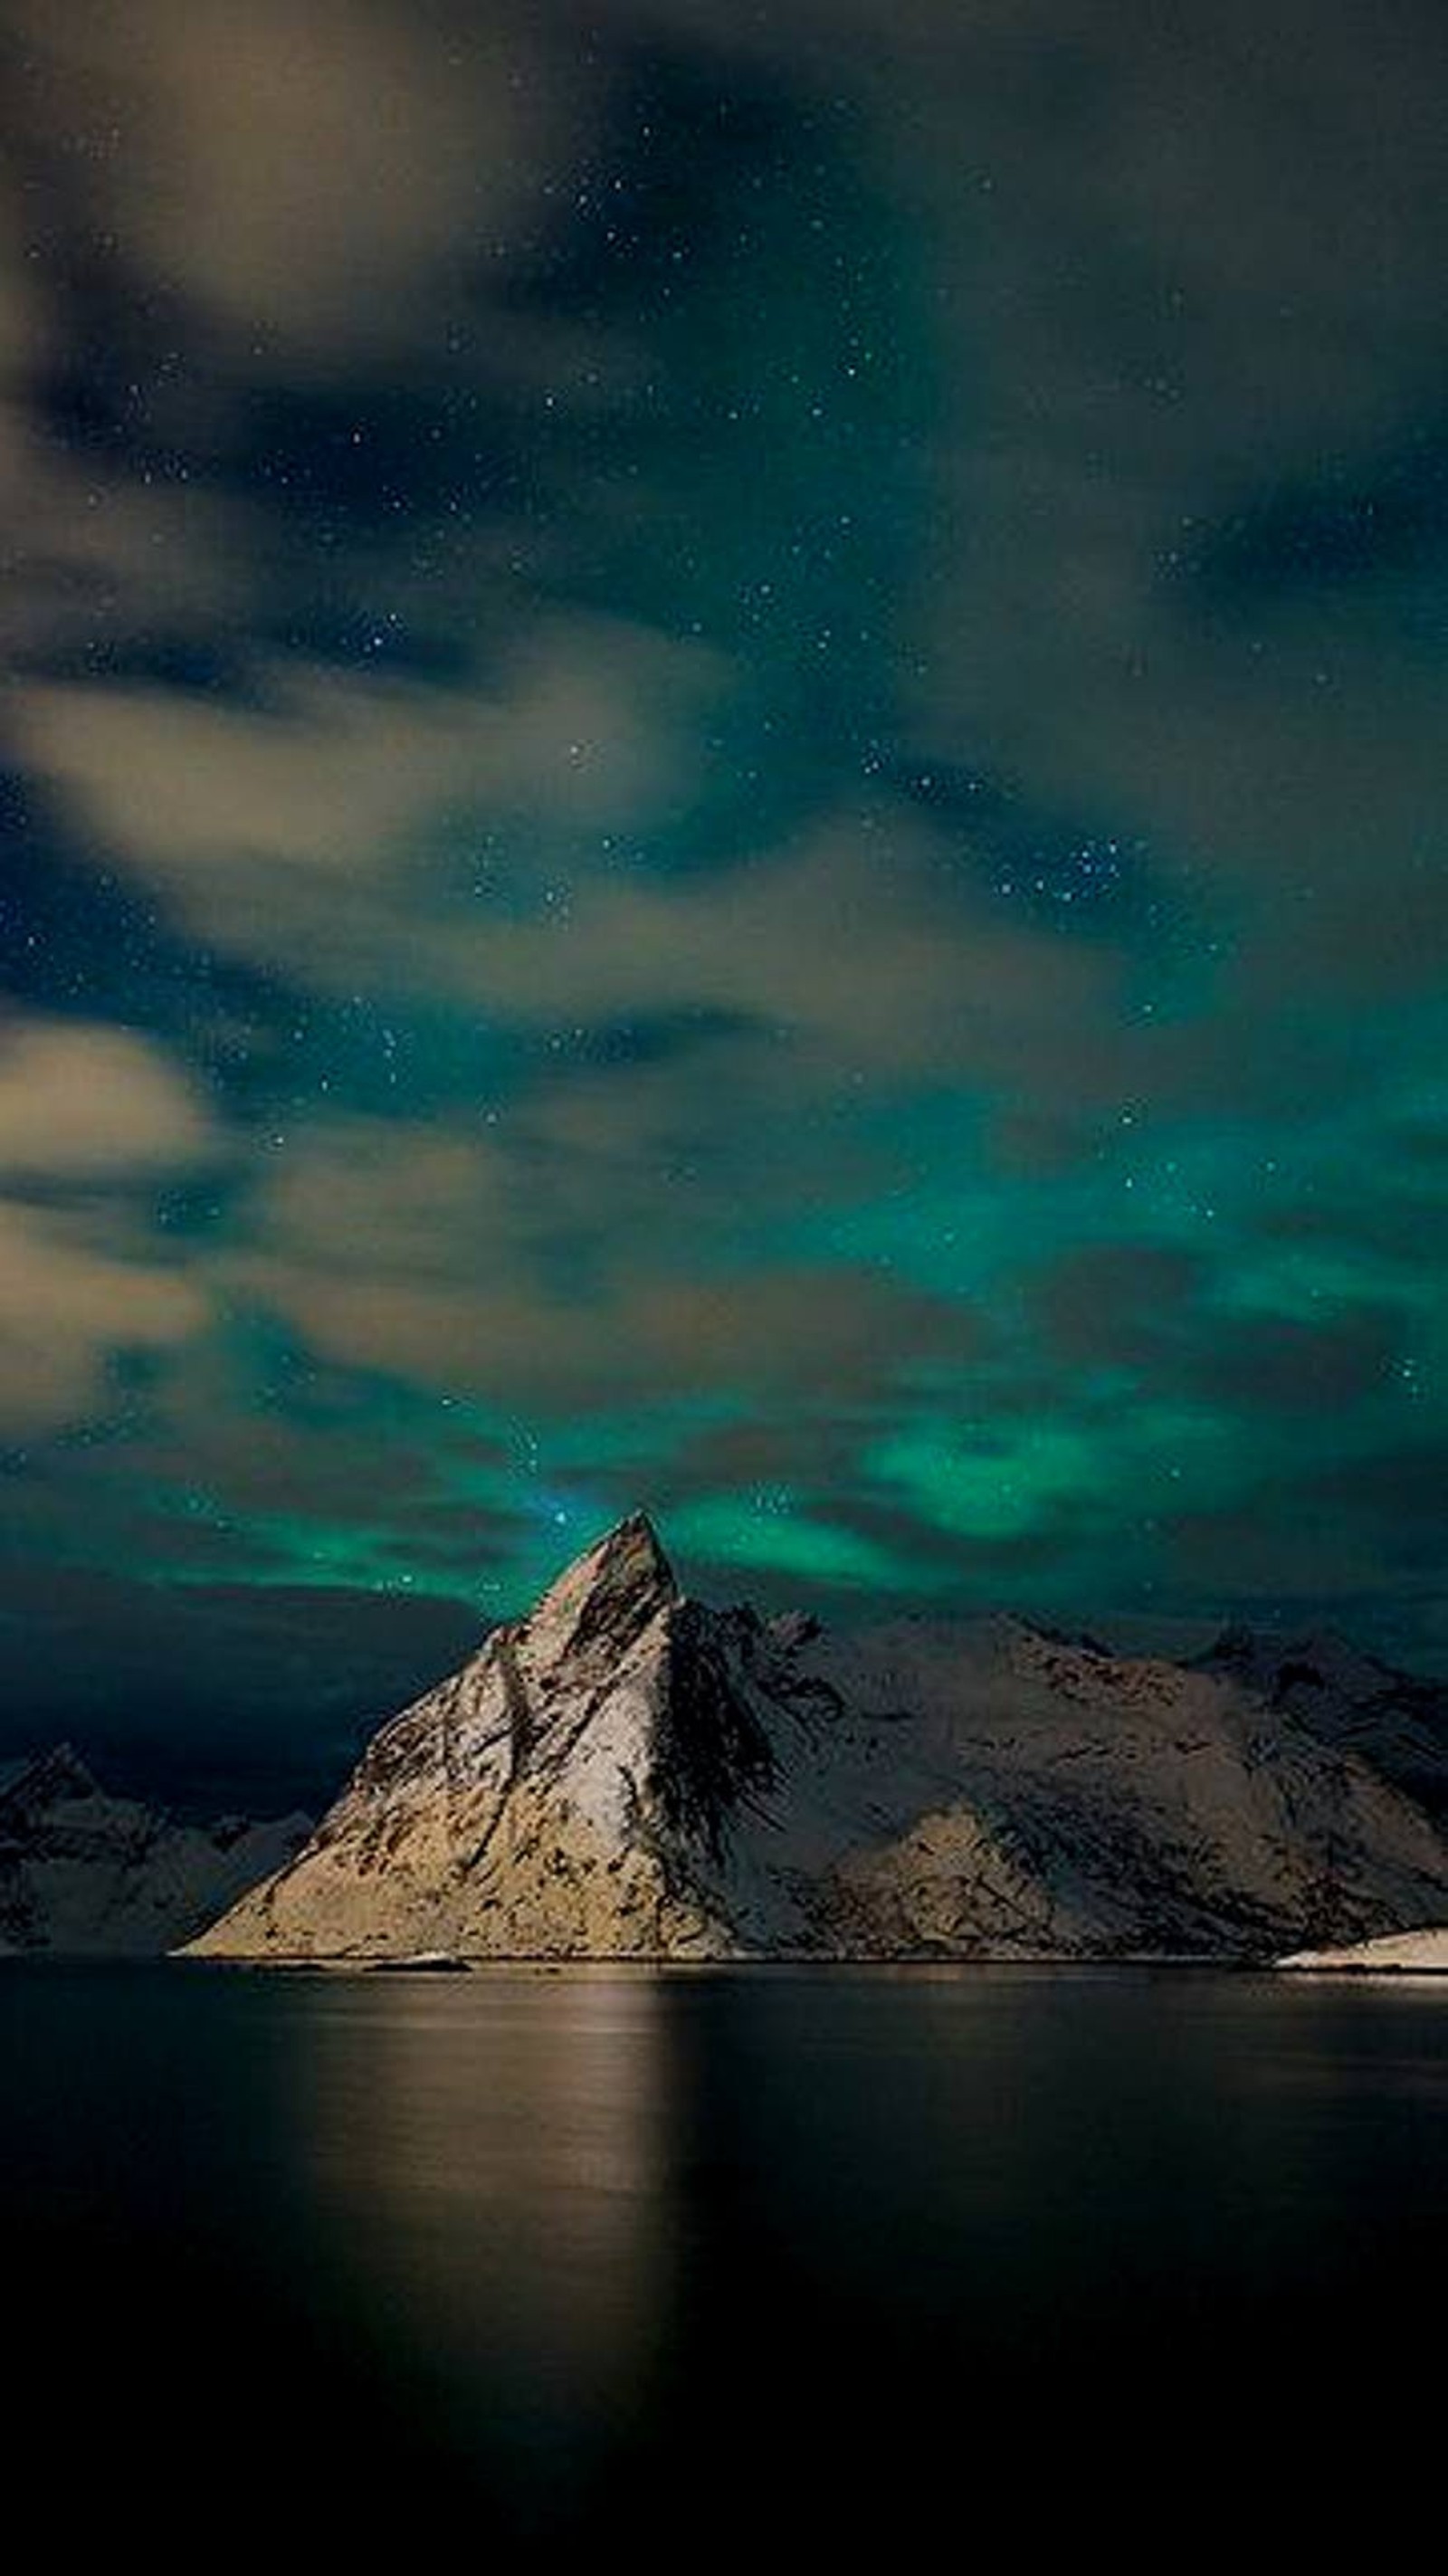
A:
x: 720, y: 2267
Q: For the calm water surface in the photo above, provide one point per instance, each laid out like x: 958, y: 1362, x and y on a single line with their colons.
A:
x: 742, y: 2266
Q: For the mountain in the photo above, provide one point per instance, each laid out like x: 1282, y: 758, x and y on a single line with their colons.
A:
x: 85, y: 1873
x: 1397, y: 1722
x: 627, y: 1773
x: 1421, y: 1954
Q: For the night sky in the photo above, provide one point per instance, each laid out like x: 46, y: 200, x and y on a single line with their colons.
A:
x: 723, y: 788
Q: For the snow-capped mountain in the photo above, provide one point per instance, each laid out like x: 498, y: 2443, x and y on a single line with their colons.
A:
x: 84, y: 1873
x: 627, y: 1773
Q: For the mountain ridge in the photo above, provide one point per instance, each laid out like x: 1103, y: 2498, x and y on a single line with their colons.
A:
x: 627, y: 1772
x: 85, y: 1873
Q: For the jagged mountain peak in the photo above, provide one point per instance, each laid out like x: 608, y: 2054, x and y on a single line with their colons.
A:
x: 608, y: 1593
x: 57, y: 1771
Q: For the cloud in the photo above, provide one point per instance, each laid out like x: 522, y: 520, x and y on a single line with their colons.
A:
x: 214, y: 217
x: 1185, y: 272
x: 297, y: 832
x: 82, y: 1100
x: 1235, y: 315
x: 308, y: 180
x: 85, y: 1108
x: 831, y: 1335
x: 488, y: 1266
x: 325, y: 836
x: 582, y: 615
x: 851, y: 938
x: 67, y: 1310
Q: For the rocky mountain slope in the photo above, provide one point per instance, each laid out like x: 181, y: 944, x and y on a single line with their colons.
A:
x: 1396, y: 1721
x: 85, y: 1873
x: 627, y: 1773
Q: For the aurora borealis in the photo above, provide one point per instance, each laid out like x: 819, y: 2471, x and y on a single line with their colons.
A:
x: 724, y: 788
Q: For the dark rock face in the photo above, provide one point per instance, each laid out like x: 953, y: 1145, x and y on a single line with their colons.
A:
x: 1350, y: 1700
x: 628, y: 1773
x: 711, y: 1755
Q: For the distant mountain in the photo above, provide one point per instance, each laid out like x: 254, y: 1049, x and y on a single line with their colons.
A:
x: 626, y: 1773
x: 82, y: 1872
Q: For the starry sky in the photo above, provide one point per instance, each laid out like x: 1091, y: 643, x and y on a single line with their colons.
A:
x: 723, y: 787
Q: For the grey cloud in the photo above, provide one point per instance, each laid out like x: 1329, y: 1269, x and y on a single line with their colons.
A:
x: 307, y: 179
x: 446, y: 1257
x: 84, y: 1106
x: 86, y: 1100
x: 66, y: 1309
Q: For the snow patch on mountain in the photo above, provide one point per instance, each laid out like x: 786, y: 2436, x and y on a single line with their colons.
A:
x: 1397, y: 1953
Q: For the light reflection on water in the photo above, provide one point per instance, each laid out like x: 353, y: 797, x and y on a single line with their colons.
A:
x: 522, y: 2252
x: 494, y: 2160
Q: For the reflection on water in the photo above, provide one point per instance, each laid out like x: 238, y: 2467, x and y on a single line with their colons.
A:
x: 495, y: 2166
x: 721, y: 2264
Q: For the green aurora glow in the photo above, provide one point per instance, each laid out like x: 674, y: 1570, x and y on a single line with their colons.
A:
x: 748, y: 820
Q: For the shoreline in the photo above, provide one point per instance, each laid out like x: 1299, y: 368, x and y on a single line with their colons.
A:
x: 340, y: 1964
